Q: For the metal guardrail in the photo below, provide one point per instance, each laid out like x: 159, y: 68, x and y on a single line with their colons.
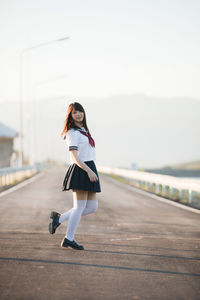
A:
x: 159, y: 184
x: 12, y: 175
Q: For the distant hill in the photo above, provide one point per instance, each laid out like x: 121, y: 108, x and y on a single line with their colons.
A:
x: 194, y: 165
x: 190, y: 169
x: 151, y: 132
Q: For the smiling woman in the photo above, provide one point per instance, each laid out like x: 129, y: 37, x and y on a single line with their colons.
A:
x: 81, y: 177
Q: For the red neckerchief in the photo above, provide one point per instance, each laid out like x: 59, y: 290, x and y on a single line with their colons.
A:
x: 91, y: 141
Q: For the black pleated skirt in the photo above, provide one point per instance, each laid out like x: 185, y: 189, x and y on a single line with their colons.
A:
x: 77, y: 179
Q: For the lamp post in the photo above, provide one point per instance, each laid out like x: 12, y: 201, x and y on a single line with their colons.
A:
x: 34, y: 124
x: 20, y: 157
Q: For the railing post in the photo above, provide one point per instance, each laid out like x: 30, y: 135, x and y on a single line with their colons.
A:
x: 164, y: 190
x: 181, y: 193
x: 191, y: 194
x: 157, y: 188
x: 172, y: 191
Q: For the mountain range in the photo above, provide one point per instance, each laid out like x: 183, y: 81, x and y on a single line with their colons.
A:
x: 148, y: 132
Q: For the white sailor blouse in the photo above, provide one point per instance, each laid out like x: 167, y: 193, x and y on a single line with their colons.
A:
x: 77, y: 141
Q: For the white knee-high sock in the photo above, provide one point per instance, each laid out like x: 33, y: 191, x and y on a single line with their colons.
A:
x: 65, y: 216
x: 74, y: 218
x: 91, y: 206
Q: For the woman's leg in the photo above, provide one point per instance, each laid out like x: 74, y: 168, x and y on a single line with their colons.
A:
x: 65, y: 216
x: 92, y: 204
x: 80, y: 201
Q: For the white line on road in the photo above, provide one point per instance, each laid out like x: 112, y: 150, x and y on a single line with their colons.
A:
x: 128, y: 239
x: 20, y: 185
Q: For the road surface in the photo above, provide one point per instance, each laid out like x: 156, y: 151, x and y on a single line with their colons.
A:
x: 136, y: 247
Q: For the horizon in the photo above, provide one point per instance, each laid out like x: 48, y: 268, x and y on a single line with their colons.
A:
x: 156, y: 132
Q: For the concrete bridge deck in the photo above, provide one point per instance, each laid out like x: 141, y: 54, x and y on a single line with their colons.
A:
x: 136, y: 247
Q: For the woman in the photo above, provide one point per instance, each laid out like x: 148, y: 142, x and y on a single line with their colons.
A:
x: 81, y: 177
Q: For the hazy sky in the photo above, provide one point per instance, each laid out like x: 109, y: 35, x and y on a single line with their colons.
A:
x: 115, y: 46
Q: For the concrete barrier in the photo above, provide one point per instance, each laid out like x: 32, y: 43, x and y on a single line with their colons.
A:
x: 11, y: 175
x: 168, y: 186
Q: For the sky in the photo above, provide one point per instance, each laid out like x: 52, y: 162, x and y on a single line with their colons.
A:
x: 114, y: 47
x: 147, y: 48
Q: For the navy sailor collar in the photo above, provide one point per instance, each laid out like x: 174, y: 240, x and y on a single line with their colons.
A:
x: 85, y: 132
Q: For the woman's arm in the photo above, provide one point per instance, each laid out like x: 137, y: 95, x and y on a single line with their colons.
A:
x: 81, y: 164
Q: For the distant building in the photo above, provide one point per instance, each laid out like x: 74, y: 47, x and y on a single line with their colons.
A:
x: 7, y: 154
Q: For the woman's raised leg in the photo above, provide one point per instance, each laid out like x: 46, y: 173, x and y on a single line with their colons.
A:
x: 92, y: 204
x: 76, y: 196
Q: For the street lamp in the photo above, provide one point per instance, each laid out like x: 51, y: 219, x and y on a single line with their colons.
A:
x: 34, y: 123
x: 20, y: 158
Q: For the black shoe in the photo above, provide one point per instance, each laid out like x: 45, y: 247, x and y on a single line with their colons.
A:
x: 73, y: 244
x: 55, y: 222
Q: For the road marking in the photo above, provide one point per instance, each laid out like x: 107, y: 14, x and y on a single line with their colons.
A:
x: 156, y: 197
x: 20, y: 185
x: 145, y: 254
x: 146, y: 247
x: 128, y: 239
x: 97, y: 266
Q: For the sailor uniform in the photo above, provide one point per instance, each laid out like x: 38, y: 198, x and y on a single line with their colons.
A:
x: 76, y: 178
x: 76, y: 140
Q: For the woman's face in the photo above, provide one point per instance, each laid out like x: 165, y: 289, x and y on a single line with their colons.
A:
x: 77, y: 116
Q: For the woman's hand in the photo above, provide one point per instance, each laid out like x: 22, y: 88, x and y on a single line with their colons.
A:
x: 92, y: 176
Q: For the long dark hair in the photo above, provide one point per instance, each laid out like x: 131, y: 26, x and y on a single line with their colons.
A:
x: 69, y: 122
